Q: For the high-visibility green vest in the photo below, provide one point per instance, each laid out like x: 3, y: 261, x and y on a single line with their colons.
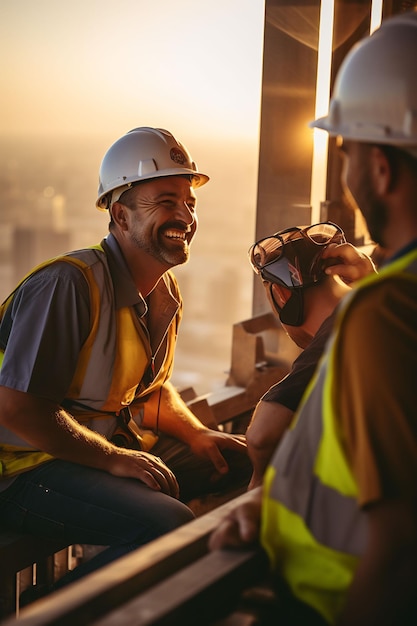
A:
x: 312, y: 527
x: 112, y: 362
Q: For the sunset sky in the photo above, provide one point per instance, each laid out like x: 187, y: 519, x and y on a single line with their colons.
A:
x: 83, y: 65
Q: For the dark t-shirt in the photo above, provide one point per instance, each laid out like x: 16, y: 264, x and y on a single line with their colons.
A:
x: 290, y: 389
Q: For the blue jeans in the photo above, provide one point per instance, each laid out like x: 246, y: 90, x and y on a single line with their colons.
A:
x: 80, y: 504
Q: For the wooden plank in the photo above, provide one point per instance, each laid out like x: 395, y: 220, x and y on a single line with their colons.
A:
x: 61, y: 563
x: 199, y: 593
x: 111, y: 586
x: 8, y: 603
x: 18, y: 550
x: 229, y: 402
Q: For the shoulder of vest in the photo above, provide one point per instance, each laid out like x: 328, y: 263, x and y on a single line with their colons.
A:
x: 75, y: 258
x: 404, y: 267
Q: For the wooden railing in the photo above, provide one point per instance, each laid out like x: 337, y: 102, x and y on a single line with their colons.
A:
x: 171, y: 580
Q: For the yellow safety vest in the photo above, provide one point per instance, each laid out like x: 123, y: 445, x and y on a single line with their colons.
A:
x: 312, y: 528
x: 112, y: 362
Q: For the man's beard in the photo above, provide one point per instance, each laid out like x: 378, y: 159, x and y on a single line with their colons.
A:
x: 168, y: 256
x: 374, y: 211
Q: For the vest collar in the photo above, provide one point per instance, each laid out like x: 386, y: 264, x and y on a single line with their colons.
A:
x: 125, y: 292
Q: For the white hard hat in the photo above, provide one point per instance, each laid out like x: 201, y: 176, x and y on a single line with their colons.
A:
x: 142, y: 154
x: 375, y: 92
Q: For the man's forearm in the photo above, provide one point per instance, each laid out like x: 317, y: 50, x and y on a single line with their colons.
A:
x: 267, y: 426
x: 260, y: 459
x: 166, y: 410
x: 47, y: 427
x: 379, y: 597
x: 383, y: 592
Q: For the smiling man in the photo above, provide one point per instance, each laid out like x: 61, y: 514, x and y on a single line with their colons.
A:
x: 96, y: 445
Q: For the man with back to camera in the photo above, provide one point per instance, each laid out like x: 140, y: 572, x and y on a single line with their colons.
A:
x: 295, y: 273
x: 339, y: 501
x: 87, y: 345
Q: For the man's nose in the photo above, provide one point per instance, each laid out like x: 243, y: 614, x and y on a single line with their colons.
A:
x: 187, y: 213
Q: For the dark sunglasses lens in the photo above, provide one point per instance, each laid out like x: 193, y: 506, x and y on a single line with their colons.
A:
x: 266, y: 251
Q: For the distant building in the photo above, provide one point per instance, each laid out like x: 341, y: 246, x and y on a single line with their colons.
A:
x: 31, y: 246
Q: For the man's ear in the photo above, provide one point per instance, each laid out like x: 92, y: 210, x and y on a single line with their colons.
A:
x: 381, y: 171
x: 118, y: 213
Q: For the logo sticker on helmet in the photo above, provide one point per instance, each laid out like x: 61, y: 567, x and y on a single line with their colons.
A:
x: 178, y: 156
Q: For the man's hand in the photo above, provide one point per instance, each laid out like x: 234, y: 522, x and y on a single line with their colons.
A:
x: 177, y: 420
x: 241, y: 527
x: 210, y: 443
x: 351, y: 264
x: 146, y: 467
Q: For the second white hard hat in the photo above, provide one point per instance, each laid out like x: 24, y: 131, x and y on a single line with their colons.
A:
x: 375, y: 92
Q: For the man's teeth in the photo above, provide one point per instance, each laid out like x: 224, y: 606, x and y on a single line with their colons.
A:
x: 174, y: 234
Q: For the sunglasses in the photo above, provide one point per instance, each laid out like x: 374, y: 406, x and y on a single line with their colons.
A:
x: 271, y: 249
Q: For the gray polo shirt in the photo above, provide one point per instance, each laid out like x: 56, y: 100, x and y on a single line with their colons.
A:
x: 48, y: 322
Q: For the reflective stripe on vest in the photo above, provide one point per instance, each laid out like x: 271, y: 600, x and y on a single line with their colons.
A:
x: 112, y: 361
x: 312, y: 528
